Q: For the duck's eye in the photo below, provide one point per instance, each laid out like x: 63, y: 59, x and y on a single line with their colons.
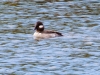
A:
x: 41, y: 26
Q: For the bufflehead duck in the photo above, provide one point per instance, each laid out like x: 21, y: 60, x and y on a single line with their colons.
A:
x: 40, y: 33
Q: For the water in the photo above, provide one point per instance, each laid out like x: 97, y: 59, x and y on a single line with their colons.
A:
x: 76, y: 53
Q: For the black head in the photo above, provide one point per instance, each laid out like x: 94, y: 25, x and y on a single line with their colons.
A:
x: 39, y: 26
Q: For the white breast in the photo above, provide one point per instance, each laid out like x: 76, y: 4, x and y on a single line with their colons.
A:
x: 38, y: 35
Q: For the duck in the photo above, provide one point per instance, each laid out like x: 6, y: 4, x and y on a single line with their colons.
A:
x: 41, y: 33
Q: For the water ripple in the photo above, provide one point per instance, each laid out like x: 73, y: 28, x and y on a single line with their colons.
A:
x: 77, y: 52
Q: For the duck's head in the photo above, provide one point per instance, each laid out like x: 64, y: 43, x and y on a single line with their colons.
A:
x: 39, y: 26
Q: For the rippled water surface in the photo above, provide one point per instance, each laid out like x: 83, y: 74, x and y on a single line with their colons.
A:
x: 76, y: 53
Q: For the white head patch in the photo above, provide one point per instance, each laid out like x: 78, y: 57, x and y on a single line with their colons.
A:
x: 41, y: 26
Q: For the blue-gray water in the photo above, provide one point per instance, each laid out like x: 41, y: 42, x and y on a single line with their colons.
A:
x: 76, y: 53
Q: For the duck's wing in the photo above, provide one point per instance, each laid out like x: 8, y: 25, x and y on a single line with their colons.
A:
x: 53, y: 32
